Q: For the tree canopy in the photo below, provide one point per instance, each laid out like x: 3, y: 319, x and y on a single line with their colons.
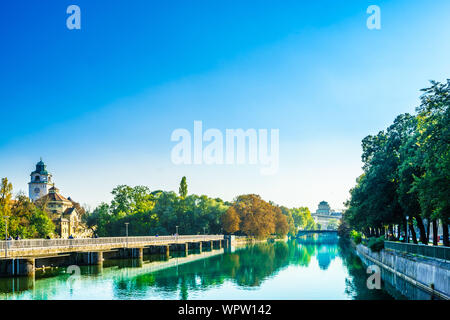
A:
x: 407, y: 172
x: 25, y: 219
x: 159, y: 212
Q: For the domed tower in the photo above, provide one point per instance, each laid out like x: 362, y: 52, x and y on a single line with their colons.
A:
x: 40, y: 181
x: 324, y: 208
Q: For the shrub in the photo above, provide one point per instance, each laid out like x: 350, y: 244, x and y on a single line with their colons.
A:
x: 376, y: 244
x: 356, y: 236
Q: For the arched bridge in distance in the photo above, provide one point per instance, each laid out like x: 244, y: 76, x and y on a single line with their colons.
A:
x: 311, y: 232
x: 317, y: 236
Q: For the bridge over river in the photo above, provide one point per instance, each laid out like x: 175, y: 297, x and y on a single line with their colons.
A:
x: 317, y: 236
x: 332, y: 233
x: 23, y: 257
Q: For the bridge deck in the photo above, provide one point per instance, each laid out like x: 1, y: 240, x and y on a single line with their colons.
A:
x: 39, y: 247
x: 317, y: 231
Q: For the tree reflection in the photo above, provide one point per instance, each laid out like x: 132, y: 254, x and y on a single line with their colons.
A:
x: 355, y: 284
x: 248, y: 268
x: 251, y: 266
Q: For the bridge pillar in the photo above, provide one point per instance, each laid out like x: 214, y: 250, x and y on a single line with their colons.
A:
x: 224, y: 243
x: 97, y: 258
x: 137, y: 253
x: 17, y: 267
x: 138, y: 257
x: 166, y: 251
x: 229, y: 240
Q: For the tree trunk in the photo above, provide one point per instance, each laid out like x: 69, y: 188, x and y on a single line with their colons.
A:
x: 413, y: 232
x: 445, y: 233
x: 435, y: 233
x: 428, y: 230
x: 377, y: 232
x: 366, y: 232
x: 423, y: 235
x: 405, y: 230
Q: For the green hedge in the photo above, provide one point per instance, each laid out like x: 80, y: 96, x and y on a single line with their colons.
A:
x: 376, y: 244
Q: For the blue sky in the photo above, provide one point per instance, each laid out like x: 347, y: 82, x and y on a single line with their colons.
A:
x: 99, y: 104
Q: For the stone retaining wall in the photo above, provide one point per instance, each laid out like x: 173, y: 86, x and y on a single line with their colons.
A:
x: 428, y: 274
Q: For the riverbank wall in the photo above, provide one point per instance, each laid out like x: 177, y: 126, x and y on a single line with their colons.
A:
x: 243, y: 240
x: 416, y: 277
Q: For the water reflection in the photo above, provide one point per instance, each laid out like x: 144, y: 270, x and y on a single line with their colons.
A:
x: 307, y: 268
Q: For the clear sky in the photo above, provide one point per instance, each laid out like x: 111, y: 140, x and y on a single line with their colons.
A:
x: 99, y: 104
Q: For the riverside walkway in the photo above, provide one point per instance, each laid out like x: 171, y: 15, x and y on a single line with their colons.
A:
x: 22, y: 257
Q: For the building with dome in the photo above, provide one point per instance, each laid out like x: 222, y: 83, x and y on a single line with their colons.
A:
x: 324, y: 215
x: 65, y: 213
x: 323, y: 208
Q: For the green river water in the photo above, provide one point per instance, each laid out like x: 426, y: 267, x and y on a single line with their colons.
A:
x: 298, y: 269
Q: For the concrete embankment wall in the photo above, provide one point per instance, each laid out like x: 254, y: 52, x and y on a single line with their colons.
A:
x: 250, y: 240
x: 428, y: 274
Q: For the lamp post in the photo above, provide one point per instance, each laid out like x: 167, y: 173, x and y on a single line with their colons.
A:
x: 407, y: 222
x: 176, y: 233
x: 126, y: 227
x: 204, y: 230
x: 6, y: 236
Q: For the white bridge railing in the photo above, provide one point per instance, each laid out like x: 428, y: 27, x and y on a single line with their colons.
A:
x: 70, y: 243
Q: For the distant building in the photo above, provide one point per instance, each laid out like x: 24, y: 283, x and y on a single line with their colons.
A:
x: 324, y: 215
x: 65, y: 213
x: 323, y: 208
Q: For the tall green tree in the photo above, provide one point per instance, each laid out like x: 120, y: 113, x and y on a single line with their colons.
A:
x: 183, y: 188
x: 5, y: 197
x: 434, y: 145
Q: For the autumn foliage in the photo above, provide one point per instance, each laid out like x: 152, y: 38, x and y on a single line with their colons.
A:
x: 231, y: 220
x: 255, y: 217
